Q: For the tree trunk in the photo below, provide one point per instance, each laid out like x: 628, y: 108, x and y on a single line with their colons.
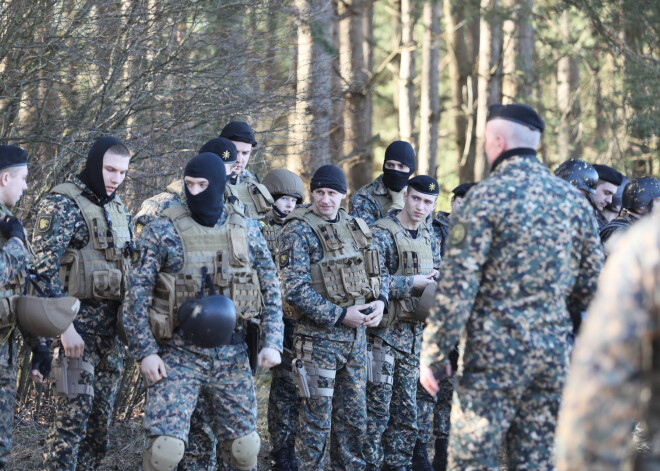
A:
x: 395, y: 64
x: 430, y: 99
x: 368, y: 49
x: 517, y: 52
x: 568, y: 99
x: 525, y: 52
x: 509, y: 51
x: 407, y: 74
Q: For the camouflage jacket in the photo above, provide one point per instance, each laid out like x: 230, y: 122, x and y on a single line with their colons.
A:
x: 602, y: 395
x: 299, y: 247
x: 159, y: 249
x: 522, y: 246
x: 60, y: 225
x: 153, y: 207
x: 364, y: 205
x: 404, y: 336
x: 440, y: 226
x: 14, y: 256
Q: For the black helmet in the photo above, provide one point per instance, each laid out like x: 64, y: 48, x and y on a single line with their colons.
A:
x: 580, y: 174
x: 640, y: 192
x: 208, y: 322
x: 617, y: 198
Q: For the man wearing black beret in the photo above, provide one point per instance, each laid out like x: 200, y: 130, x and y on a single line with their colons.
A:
x: 14, y: 260
x: 374, y: 200
x: 609, y: 181
x: 242, y: 184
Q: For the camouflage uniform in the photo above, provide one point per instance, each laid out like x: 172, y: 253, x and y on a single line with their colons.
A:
x: 373, y: 201
x: 617, y: 350
x: 14, y: 259
x: 440, y: 226
x: 334, y: 346
x: 612, y: 231
x: 392, y: 407
x: 521, y: 247
x: 79, y: 432
x: 153, y: 207
x: 220, y: 376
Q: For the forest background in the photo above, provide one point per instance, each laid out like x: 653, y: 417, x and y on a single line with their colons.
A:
x: 321, y: 81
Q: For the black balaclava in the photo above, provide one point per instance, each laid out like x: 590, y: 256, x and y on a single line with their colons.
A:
x: 401, y: 151
x: 92, y: 174
x: 206, y: 207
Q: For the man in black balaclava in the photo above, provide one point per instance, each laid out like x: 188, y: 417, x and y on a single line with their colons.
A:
x: 204, y: 181
x: 375, y: 200
x: 86, y: 218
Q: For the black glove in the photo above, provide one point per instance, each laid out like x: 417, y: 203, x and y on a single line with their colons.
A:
x: 41, y: 360
x: 12, y: 227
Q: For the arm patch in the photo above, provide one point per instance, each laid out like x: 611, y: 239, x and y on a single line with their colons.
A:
x: 44, y: 223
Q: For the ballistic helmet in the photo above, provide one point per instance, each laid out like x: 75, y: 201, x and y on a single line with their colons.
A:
x: 282, y: 182
x: 45, y: 317
x: 208, y: 322
x: 426, y: 301
x: 580, y: 174
x: 640, y: 192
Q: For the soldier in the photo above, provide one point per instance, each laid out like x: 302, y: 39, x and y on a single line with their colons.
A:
x: 242, y: 184
x: 204, y: 245
x: 609, y: 181
x: 288, y: 191
x: 584, y: 177
x: 411, y: 255
x: 330, y: 278
x: 375, y: 200
x: 613, y: 380
x: 174, y: 194
x: 612, y: 210
x: 442, y: 220
x: 640, y: 197
x: 520, y: 248
x: 83, y: 244
x: 14, y: 260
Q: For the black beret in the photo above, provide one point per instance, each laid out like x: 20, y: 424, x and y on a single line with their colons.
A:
x: 462, y: 189
x: 518, y: 113
x: 329, y: 176
x: 12, y: 156
x: 239, y: 131
x: 401, y: 151
x: 424, y: 184
x: 608, y: 174
x: 223, y: 148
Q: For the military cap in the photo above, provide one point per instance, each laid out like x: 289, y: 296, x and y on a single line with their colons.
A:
x: 329, y: 176
x: 461, y: 190
x: 222, y: 147
x: 608, y: 174
x: 517, y: 113
x: 239, y: 131
x: 423, y: 184
x: 12, y: 156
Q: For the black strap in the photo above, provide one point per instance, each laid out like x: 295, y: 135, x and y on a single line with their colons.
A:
x: 206, y: 280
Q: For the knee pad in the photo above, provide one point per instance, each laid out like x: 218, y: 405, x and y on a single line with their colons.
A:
x: 244, y: 451
x: 164, y: 454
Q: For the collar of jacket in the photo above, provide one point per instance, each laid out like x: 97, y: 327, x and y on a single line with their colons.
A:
x: 507, y: 154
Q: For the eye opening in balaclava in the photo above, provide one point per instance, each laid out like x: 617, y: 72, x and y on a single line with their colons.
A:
x: 92, y: 174
x: 400, y: 151
x: 207, y: 206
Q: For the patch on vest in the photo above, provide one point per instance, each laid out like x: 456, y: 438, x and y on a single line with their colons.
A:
x: 44, y: 223
x: 283, y: 259
x: 457, y: 234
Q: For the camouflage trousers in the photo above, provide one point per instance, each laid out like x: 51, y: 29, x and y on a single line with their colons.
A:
x: 223, y: 384
x: 78, y: 436
x: 514, y: 404
x: 340, y: 419
x: 392, y: 412
x: 283, y: 413
x: 7, y: 396
x: 434, y: 409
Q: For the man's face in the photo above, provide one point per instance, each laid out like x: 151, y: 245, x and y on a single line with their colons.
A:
x: 326, y: 202
x: 604, y: 192
x: 396, y: 165
x: 243, y: 151
x: 196, y: 185
x: 418, y: 205
x: 115, y: 167
x: 493, y: 143
x: 456, y: 202
x: 286, y: 204
x: 15, y: 184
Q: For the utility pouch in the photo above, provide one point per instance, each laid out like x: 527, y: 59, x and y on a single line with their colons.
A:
x: 71, y: 271
x: 66, y: 373
x: 238, y: 247
x: 361, y: 232
x: 107, y: 284
x: 7, y: 315
x: 371, y: 262
x: 262, y: 199
x: 379, y: 359
x: 162, y: 318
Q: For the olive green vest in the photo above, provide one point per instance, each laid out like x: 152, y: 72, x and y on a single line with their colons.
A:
x: 270, y: 232
x: 349, y: 272
x: 224, y: 252
x: 98, y: 270
x: 415, y: 258
x: 254, y: 196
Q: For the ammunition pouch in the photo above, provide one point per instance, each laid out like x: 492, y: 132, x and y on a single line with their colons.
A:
x: 306, y: 373
x: 378, y: 356
x: 82, y: 280
x: 261, y: 198
x: 162, y: 316
x: 66, y: 372
x: 7, y: 314
x: 402, y: 310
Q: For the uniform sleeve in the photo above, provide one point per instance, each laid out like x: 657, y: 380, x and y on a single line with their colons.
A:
x: 436, y: 248
x: 460, y: 277
x: 600, y: 403
x: 152, y: 253
x: 272, y: 326
x: 361, y: 207
x: 296, y: 243
x: 400, y: 286
x: 58, y: 222
x: 14, y: 258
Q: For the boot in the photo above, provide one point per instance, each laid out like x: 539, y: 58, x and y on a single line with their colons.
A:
x: 440, y: 458
x: 420, y: 461
x: 281, y: 460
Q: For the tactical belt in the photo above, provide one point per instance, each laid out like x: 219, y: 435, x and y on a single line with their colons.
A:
x: 306, y: 373
x: 376, y: 357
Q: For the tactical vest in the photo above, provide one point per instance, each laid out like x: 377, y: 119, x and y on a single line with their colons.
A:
x: 7, y: 316
x: 270, y: 232
x: 98, y: 270
x: 415, y: 258
x: 254, y: 196
x: 349, y: 272
x: 389, y: 201
x: 223, y: 253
